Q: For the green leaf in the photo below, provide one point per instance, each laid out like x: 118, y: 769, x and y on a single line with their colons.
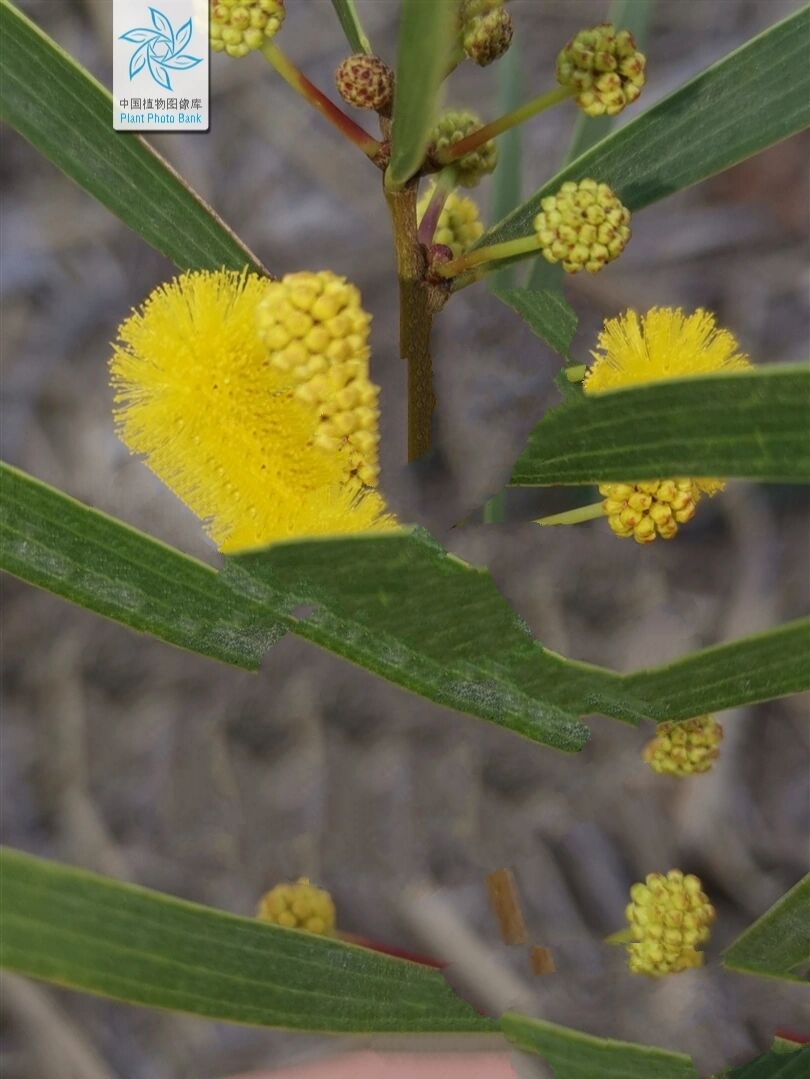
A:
x: 753, y: 98
x: 352, y: 28
x: 757, y: 668
x: 67, y: 115
x: 546, y: 313
x: 750, y: 424
x: 399, y: 605
x: 426, y: 37
x: 86, y: 932
x: 632, y: 15
x: 779, y: 942
x: 507, y: 183
x: 56, y: 543
x: 777, y: 1064
x: 574, y: 1055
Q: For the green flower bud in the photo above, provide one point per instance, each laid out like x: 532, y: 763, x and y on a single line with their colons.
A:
x: 584, y: 226
x: 604, y: 67
x: 451, y: 128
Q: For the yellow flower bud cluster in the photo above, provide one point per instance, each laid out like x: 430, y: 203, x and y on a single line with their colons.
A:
x: 452, y: 127
x: 365, y: 82
x: 241, y: 26
x: 298, y: 906
x: 669, y: 918
x: 649, y: 509
x: 604, y: 67
x: 459, y: 224
x: 684, y: 749
x: 584, y: 226
x: 486, y: 30
x: 317, y: 334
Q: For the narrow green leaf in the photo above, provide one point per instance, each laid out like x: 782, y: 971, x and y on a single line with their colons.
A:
x: 399, y: 605
x: 56, y: 543
x: 777, y: 945
x: 67, y: 115
x: 86, y: 932
x: 750, y: 424
x: 426, y: 38
x: 507, y: 183
x: 546, y: 313
x: 753, y: 98
x: 350, y: 21
x: 360, y: 584
x: 757, y: 668
x: 632, y: 15
x: 793, y: 1064
x: 574, y: 1055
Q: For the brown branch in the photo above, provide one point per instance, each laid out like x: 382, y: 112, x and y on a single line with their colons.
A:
x: 418, y: 302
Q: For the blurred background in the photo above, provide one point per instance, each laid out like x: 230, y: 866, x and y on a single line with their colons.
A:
x: 134, y: 759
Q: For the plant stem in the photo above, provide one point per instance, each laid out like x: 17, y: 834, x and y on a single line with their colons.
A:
x: 509, y: 249
x: 417, y: 305
x: 309, y: 92
x: 573, y: 517
x: 445, y: 182
x: 504, y: 123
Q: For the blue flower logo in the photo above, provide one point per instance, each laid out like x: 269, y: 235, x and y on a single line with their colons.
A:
x: 160, y: 49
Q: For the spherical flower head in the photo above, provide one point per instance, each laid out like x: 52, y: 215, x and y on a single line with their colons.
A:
x: 486, y: 30
x: 238, y: 27
x: 197, y: 396
x: 451, y: 128
x: 459, y: 225
x: 669, y: 917
x: 584, y: 226
x: 365, y: 82
x: 604, y: 68
x: 684, y: 749
x: 316, y: 333
x: 298, y: 906
x: 632, y: 349
x: 650, y: 509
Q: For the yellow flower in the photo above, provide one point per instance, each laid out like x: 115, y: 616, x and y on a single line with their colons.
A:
x: 197, y: 395
x: 584, y: 226
x: 241, y: 26
x: 664, y: 343
x: 669, y: 918
x: 459, y: 224
x: 298, y: 906
x: 684, y: 749
x: 317, y: 334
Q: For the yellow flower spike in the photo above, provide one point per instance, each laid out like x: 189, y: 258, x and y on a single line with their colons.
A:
x: 298, y: 906
x: 584, y: 226
x: 239, y: 27
x: 486, y: 30
x: 668, y: 918
x: 604, y: 68
x: 316, y: 330
x: 197, y: 396
x: 632, y: 349
x: 684, y: 749
x: 459, y: 225
x: 451, y: 128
